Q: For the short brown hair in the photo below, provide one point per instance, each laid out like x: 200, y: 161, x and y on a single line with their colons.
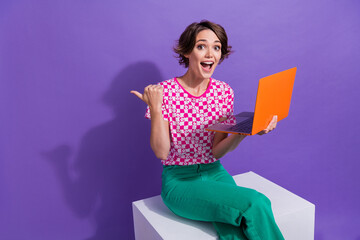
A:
x: 186, y: 42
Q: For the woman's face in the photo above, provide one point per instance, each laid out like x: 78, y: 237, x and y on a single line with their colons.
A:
x: 206, y: 54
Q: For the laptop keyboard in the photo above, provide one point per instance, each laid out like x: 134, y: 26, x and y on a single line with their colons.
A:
x: 244, y: 126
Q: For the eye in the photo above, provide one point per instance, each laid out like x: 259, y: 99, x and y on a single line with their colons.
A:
x: 217, y: 48
x: 201, y: 47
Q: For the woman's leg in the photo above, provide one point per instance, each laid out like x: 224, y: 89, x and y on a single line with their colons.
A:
x: 224, y: 230
x: 206, y: 193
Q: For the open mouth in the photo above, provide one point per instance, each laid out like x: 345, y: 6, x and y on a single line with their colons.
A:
x: 207, y: 65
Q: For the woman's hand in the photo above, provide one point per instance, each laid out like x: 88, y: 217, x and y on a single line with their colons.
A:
x: 153, y: 96
x: 270, y: 127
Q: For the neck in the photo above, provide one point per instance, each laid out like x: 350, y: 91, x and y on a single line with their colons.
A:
x: 191, y: 81
x: 195, y: 86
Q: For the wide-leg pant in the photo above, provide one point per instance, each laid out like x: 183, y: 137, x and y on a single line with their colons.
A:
x: 207, y: 192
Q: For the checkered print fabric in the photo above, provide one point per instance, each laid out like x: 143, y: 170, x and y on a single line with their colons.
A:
x: 188, y: 117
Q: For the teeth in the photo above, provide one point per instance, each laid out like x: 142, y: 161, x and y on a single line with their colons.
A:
x: 208, y: 62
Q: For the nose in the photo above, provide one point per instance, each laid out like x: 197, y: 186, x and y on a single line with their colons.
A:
x: 209, y: 53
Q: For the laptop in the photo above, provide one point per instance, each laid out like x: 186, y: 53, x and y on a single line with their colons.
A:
x: 273, y: 98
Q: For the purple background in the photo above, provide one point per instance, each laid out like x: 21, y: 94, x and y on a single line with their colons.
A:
x: 74, y: 145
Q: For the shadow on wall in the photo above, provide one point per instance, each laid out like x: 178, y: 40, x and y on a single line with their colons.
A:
x: 114, y: 164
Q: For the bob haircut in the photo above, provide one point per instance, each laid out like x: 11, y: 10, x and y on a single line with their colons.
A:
x: 187, y: 40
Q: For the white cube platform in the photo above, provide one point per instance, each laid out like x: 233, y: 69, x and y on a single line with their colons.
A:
x: 294, y: 215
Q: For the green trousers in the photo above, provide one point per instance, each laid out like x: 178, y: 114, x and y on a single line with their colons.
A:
x: 207, y: 192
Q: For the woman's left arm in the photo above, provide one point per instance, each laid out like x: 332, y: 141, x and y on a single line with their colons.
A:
x: 223, y: 143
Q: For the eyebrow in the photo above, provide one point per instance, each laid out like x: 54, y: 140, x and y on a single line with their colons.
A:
x: 204, y: 40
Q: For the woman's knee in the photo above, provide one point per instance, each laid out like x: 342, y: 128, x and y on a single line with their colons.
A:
x: 258, y: 199
x: 264, y: 199
x: 261, y: 202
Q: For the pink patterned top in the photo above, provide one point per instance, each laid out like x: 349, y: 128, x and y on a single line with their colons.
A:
x: 188, y: 117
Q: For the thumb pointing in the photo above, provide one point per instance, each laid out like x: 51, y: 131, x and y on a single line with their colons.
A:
x: 136, y: 93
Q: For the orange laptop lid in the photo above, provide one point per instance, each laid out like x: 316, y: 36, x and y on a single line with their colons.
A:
x: 273, y: 98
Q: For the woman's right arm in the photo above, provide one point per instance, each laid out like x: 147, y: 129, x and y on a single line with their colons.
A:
x: 159, y: 137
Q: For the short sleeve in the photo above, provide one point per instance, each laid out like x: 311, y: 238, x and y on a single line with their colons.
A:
x: 164, y: 113
x: 228, y: 107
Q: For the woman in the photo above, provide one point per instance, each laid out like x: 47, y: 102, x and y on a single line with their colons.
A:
x: 194, y: 183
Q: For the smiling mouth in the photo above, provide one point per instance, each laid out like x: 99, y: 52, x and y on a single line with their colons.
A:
x: 207, y: 66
